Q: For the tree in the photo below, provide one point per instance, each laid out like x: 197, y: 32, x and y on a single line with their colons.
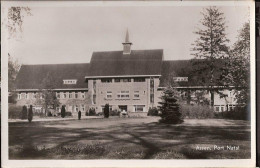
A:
x: 63, y: 111
x: 24, y: 113
x: 16, y: 19
x: 47, y: 95
x: 210, y: 48
x: 106, y: 111
x: 30, y: 114
x: 239, y: 65
x: 13, y: 69
x: 170, y: 110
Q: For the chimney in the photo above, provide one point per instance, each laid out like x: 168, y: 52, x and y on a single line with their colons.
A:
x: 127, y: 44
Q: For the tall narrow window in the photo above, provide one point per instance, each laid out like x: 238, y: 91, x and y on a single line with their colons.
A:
x: 19, y: 96
x: 34, y: 95
x: 83, y: 95
x: 76, y: 95
x: 26, y: 95
x: 76, y: 108
x: 64, y: 95
x: 151, y: 90
x: 58, y: 95
x: 94, y: 91
x: 70, y: 95
x: 82, y: 107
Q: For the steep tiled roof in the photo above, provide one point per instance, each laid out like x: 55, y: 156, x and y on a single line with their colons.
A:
x: 32, y: 76
x: 115, y: 63
x: 185, y: 68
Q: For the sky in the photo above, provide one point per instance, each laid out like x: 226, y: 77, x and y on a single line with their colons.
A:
x: 55, y: 35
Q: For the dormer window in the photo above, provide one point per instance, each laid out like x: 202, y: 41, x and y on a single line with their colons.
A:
x: 70, y: 81
x: 180, y: 79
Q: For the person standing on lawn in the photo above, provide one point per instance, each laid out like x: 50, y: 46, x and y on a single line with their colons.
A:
x: 79, y: 115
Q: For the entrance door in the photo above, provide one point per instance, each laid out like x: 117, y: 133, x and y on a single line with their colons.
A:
x: 122, y: 108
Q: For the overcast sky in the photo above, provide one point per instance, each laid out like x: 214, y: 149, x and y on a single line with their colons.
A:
x: 71, y: 34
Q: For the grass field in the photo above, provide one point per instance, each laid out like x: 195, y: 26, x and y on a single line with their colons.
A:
x: 129, y: 138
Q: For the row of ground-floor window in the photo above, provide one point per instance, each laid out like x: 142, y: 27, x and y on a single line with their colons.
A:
x: 222, y: 108
x: 84, y: 108
x: 130, y: 108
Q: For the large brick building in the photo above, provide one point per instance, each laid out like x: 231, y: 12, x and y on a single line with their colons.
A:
x: 130, y: 80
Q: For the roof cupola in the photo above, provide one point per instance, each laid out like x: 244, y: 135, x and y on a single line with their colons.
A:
x: 127, y: 44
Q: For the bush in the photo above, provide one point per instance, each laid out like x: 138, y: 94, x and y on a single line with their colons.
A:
x: 153, y: 112
x: 239, y: 113
x: 91, y: 112
x: 106, y: 111
x: 197, y: 111
x: 68, y: 113
x: 114, y: 113
x: 170, y: 108
x: 30, y: 114
x: 63, y: 112
x: 24, y: 113
x: 14, y: 111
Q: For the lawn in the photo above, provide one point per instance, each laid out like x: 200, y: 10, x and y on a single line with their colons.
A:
x: 129, y: 138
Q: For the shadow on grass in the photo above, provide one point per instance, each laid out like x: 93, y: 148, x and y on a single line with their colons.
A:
x: 124, y: 141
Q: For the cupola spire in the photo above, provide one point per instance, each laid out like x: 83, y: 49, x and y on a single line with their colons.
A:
x: 127, y: 44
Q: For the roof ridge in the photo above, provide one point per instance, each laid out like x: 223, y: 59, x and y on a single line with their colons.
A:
x: 55, y: 64
x: 122, y: 50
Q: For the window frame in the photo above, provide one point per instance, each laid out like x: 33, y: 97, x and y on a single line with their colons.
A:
x: 83, y: 95
x: 110, y: 94
x: 136, y: 95
x: 139, y: 106
x: 124, y: 94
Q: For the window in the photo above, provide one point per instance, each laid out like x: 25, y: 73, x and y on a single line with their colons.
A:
x: 94, y: 99
x: 180, y: 79
x: 109, y: 95
x: 152, y: 98
x: 94, y: 86
x: 123, y: 80
x: 152, y: 90
x: 76, y: 95
x: 222, y: 109
x: 139, y: 79
x: 217, y: 108
x: 123, y: 95
x: 58, y: 95
x: 70, y: 81
x: 34, y: 95
x: 83, y: 95
x: 106, y: 80
x: 26, y: 95
x: 64, y: 95
x: 70, y: 95
x: 82, y: 107
x: 76, y: 108
x: 136, y: 94
x: 19, y: 96
x: 139, y: 108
